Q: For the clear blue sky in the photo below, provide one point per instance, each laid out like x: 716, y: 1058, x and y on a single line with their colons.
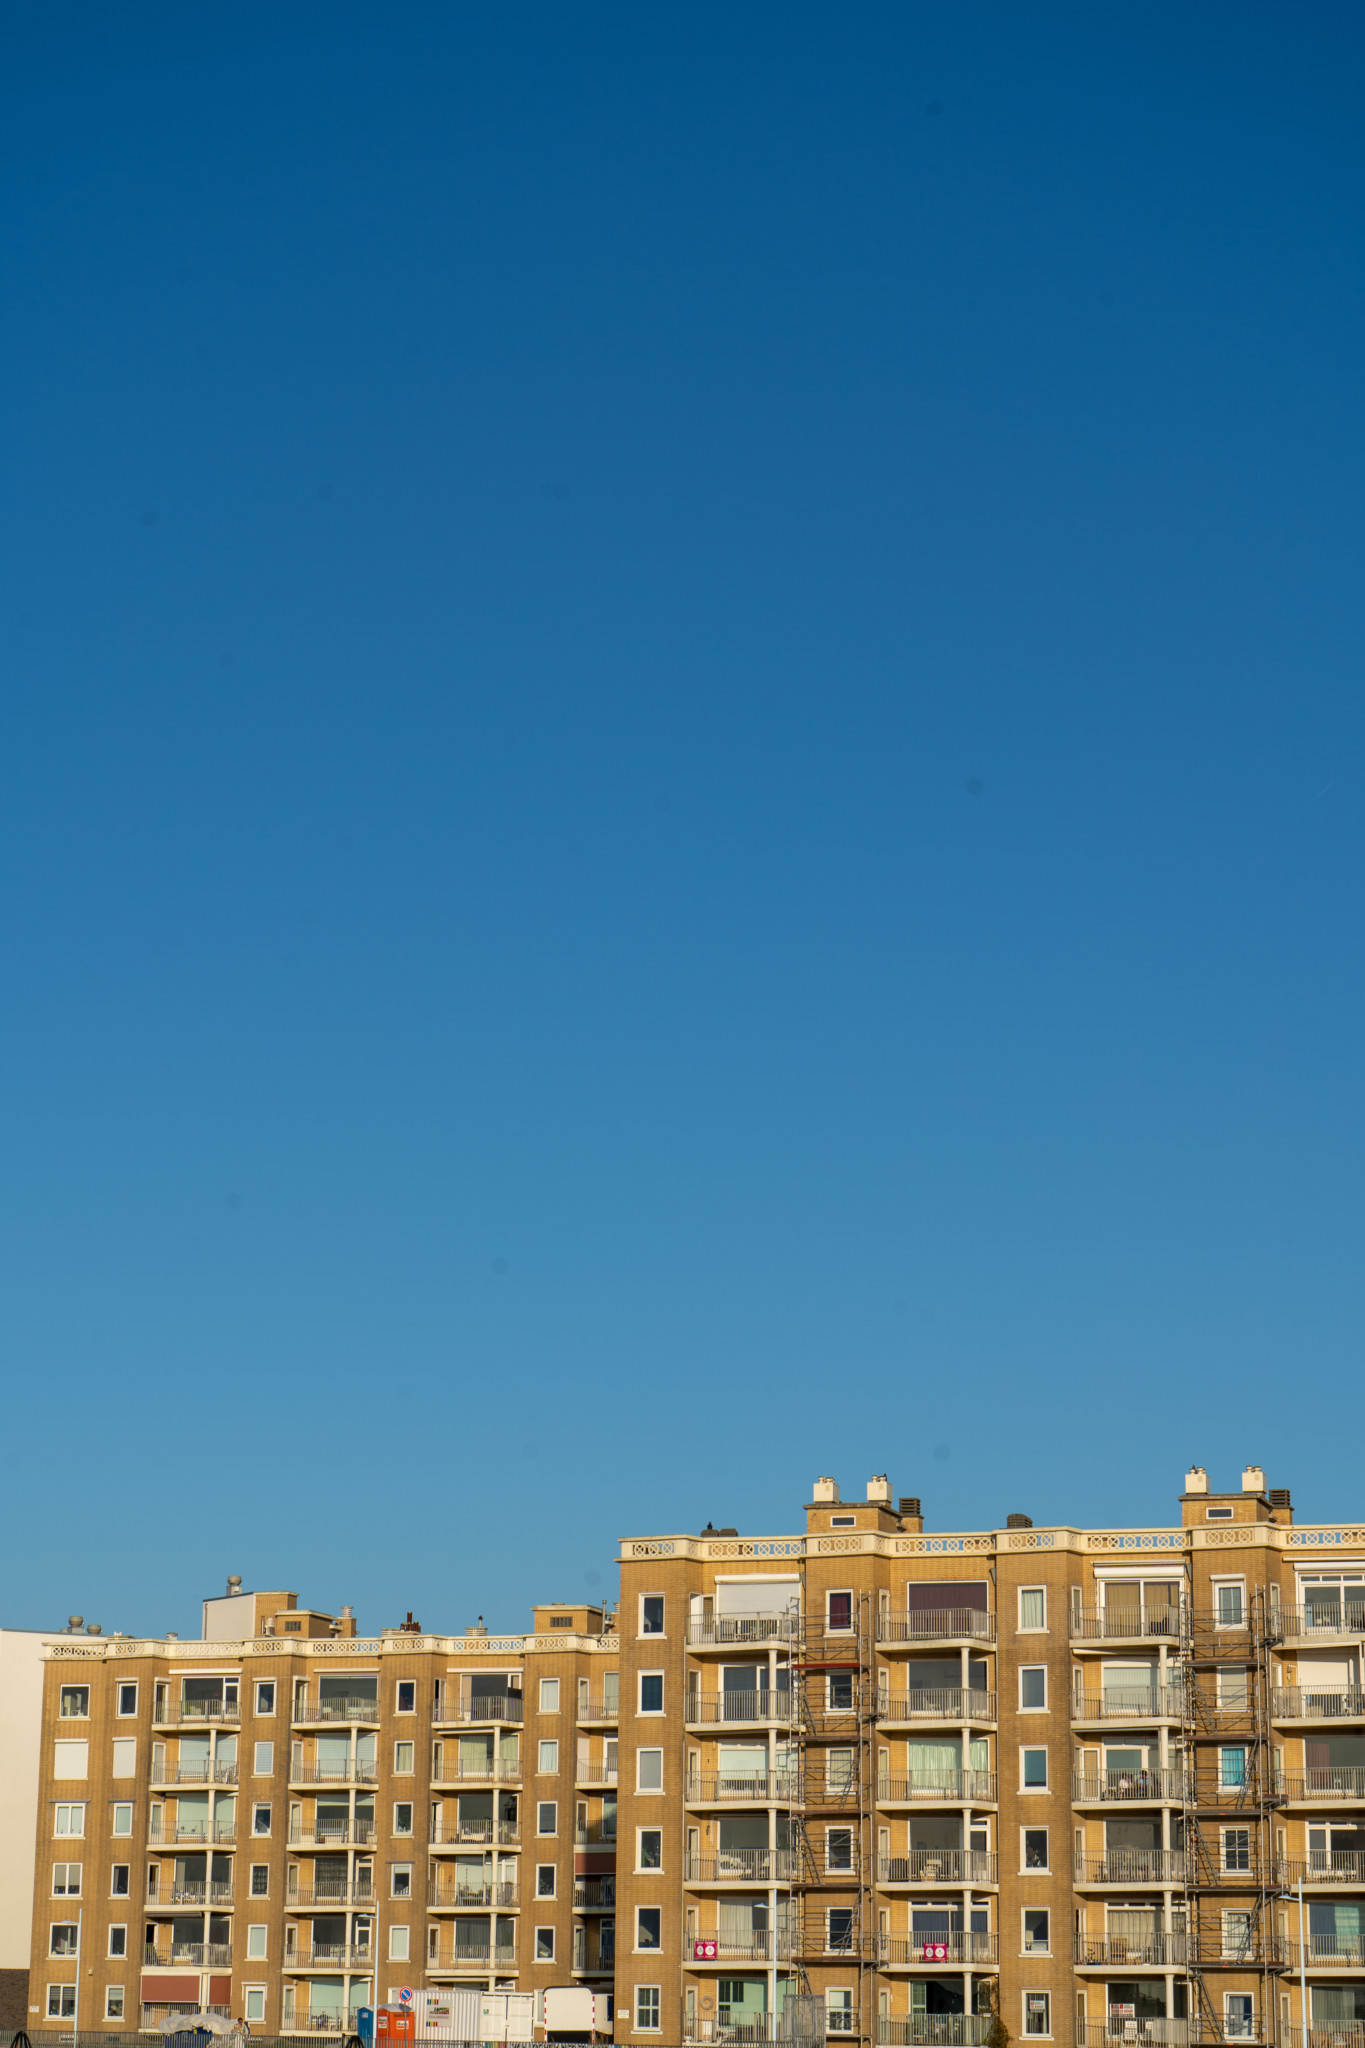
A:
x: 681, y: 780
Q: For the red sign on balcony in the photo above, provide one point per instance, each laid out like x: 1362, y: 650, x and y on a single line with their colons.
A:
x: 705, y: 1951
x: 934, y: 1952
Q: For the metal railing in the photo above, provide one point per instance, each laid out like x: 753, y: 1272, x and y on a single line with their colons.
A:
x: 772, y: 1704
x: 307, y: 1896
x: 154, y: 2014
x: 222, y: 1831
x: 774, y: 1945
x: 932, y: 1784
x: 450, y: 1712
x: 193, y: 1893
x: 1322, y: 1951
x: 1303, y: 1703
x: 598, y: 1707
x: 450, y: 1833
x: 594, y: 1894
x: 953, y: 1703
x: 595, y: 1835
x: 1124, y: 1624
x: 756, y: 2028
x: 1132, y: 1866
x: 1295, y: 1623
x: 932, y: 2029
x: 204, y: 1954
x: 594, y: 1774
x: 1326, y: 1781
x: 328, y: 1834
x: 502, y: 1955
x: 310, y: 1707
x: 938, y: 1866
x: 194, y: 1774
x: 962, y: 1945
x: 1138, y: 1787
x: 328, y: 1955
x: 454, y: 1771
x: 707, y: 1790
x: 748, y: 1866
x: 1147, y: 1951
x: 1322, y: 2037
x: 728, y: 1629
x: 1325, y: 1866
x: 1146, y: 1703
x: 454, y: 1896
x: 354, y: 1773
x: 1113, y: 2033
x: 937, y: 1625
x: 316, y: 2023
x: 176, y: 1713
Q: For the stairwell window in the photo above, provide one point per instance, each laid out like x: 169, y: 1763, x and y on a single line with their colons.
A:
x: 1035, y: 1848
x: 1032, y: 1608
x: 651, y: 1614
x: 838, y: 2012
x: 646, y: 2008
x: 547, y: 1758
x: 545, y: 1944
x: 1032, y: 1688
x: 1237, y: 1848
x: 839, y: 1930
x: 651, y: 1692
x: 648, y: 1927
x: 1232, y: 1766
x: 1037, y: 1936
x: 66, y: 1880
x: 649, y: 1770
x: 839, y: 1612
x: 838, y: 1848
x: 113, y: 2002
x: 1236, y: 1933
x: 1227, y: 1595
x: 1038, y: 2014
x: 1239, y: 2016
x: 1033, y: 1775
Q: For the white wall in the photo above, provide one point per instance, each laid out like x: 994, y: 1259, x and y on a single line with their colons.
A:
x: 21, y: 1714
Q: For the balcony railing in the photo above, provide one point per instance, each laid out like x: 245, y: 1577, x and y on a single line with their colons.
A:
x: 177, y: 1713
x: 496, y: 1771
x: 597, y: 1834
x: 309, y: 1707
x: 1326, y: 1781
x: 918, y: 1950
x: 329, y: 1955
x: 356, y: 1772
x: 1138, y: 1787
x: 1301, y: 1703
x: 451, y: 1713
x: 1146, y: 1703
x: 203, y: 1954
x: 1147, y: 1951
x: 772, y: 1704
x: 1132, y: 1867
x: 1326, y: 1951
x: 1298, y: 1623
x: 747, y: 1866
x: 1152, y: 2033
x: 725, y: 1630
x: 598, y: 1707
x: 953, y: 1703
x: 194, y: 1774
x: 153, y: 2015
x: 774, y: 1787
x: 329, y: 1834
x: 449, y: 1834
x: 938, y: 1866
x: 501, y: 1956
x: 195, y: 1893
x: 315, y: 2023
x: 937, y: 1625
x: 594, y: 1774
x: 754, y: 2028
x: 932, y: 2029
x: 305, y: 1897
x: 594, y: 1894
x: 1124, y: 1624
x: 1325, y: 1866
x: 452, y: 1896
x: 940, y: 1785
x: 1322, y: 2037
x: 772, y: 1945
x: 190, y: 1831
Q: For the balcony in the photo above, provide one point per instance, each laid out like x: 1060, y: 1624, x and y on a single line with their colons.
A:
x: 194, y: 1713
x: 1296, y: 1703
x: 952, y: 1787
x: 740, y: 1709
x: 1128, y: 1867
x: 1331, y: 1623
x: 155, y: 2016
x: 1158, y: 1703
x: 742, y: 1866
x: 1337, y: 1783
x: 451, y: 1898
x: 309, y: 1708
x: 1149, y: 2033
x: 494, y: 1772
x: 754, y: 2028
x: 167, y: 1896
x: 454, y: 1834
x: 776, y: 1788
x: 330, y: 1955
x: 204, y: 1955
x: 727, y: 1631
x: 315, y: 2023
x: 932, y: 2029
x: 1322, y: 2037
x: 937, y: 1625
x: 1142, y: 1788
x: 1129, y: 1952
x: 599, y: 1707
x: 935, y: 1951
x: 1325, y: 1952
x: 594, y: 1774
x: 766, y: 1946
x: 1325, y: 1867
x: 455, y: 1713
x: 331, y: 1834
x: 356, y: 1772
x: 159, y: 1832
x: 326, y: 1898
x: 938, y: 1867
x: 193, y: 1774
x: 596, y: 1835
x: 502, y: 1956
x: 594, y: 1894
x: 952, y: 1704
x: 1125, y: 1624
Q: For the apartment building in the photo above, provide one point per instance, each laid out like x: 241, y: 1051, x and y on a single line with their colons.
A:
x: 875, y: 1783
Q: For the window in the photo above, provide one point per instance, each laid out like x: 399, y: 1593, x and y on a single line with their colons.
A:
x: 1218, y: 1514
x: 838, y: 1848
x: 400, y: 1880
x: 61, y: 2001
x: 403, y: 1759
x: 402, y: 1817
x: 265, y: 1696
x: 398, y: 1944
x: 1036, y: 1939
x: 69, y: 1820
x: 75, y: 1703
x: 839, y: 1692
x: 263, y: 1759
x: 127, y: 1699
x: 547, y: 1758
x: 646, y: 2008
x: 651, y: 1614
x: 1239, y: 2016
x: 118, y: 1940
x: 113, y: 2001
x: 255, y: 1943
x: 649, y: 1770
x: 1236, y: 1933
x: 839, y: 1773
x: 1032, y: 1607
x: 651, y: 1692
x: 648, y: 1925
x: 838, y: 2012
x: 66, y: 1880
x: 407, y: 1695
x: 1035, y: 1769
x: 1233, y: 1693
x: 843, y: 1521
x: 1032, y: 1687
x: 125, y: 1756
x: 547, y: 1817
x: 1237, y: 1848
x: 549, y: 1695
x: 1038, y: 2013
x: 545, y: 1944
x: 649, y: 1851
x: 260, y: 1880
x: 839, y: 1612
x: 122, y: 1818
x: 255, y: 2001
x: 63, y: 1935
x: 1228, y: 1597
x: 71, y: 1759
x: 260, y: 1819
x: 121, y: 1881
x: 545, y: 1880
x: 1232, y: 1765
x: 1035, y: 1849
x: 839, y: 1928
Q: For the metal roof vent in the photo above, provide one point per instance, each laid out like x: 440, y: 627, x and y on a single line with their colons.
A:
x: 1018, y: 1521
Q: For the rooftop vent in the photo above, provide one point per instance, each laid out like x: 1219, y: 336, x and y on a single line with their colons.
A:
x: 1196, y: 1480
x: 1279, y: 1497
x: 1018, y: 1521
x: 711, y: 1530
x: 234, y: 1584
x: 825, y: 1489
x: 879, y: 1488
x: 909, y: 1504
x: 1253, y: 1479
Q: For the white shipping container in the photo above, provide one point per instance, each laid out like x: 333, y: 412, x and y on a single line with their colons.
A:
x: 573, y: 2009
x: 506, y: 2015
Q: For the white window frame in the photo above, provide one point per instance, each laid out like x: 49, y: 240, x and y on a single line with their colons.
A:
x: 649, y: 1791
x: 261, y: 1686
x: 398, y: 1685
x: 55, y: 1995
x: 401, y: 1769
x: 1035, y: 1749
x: 122, y: 1713
x: 114, y: 1891
x: 74, y: 1686
x: 649, y: 1948
x: 830, y: 1833
x: 258, y: 1932
x: 550, y: 1832
x: 252, y: 1892
x: 1217, y: 1585
x: 400, y: 1942
x: 1023, y: 1668
x: 66, y: 1954
x: 548, y: 1696
x: 117, y: 1955
x: 1024, y: 1946
x: 1239, y: 1950
x: 1223, y: 1863
x: 654, y: 1634
x: 401, y: 1871
x: 121, y: 1819
x: 649, y: 1995
x: 1025, y: 1996
x: 649, y: 1713
x: 124, y: 1743
x: 71, y: 1807
x: 548, y: 1745
x: 411, y: 1828
x: 651, y: 1869
x: 848, y: 1592
x: 115, y: 2001
x: 259, y: 1807
x: 68, y: 1891
x: 543, y: 1949
x: 254, y: 2005
x: 1031, y: 1628
x: 264, y: 1769
x: 553, y: 1870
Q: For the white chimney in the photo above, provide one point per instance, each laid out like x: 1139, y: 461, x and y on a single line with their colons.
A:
x: 1196, y: 1480
x: 825, y: 1489
x: 1253, y: 1479
x: 879, y: 1488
